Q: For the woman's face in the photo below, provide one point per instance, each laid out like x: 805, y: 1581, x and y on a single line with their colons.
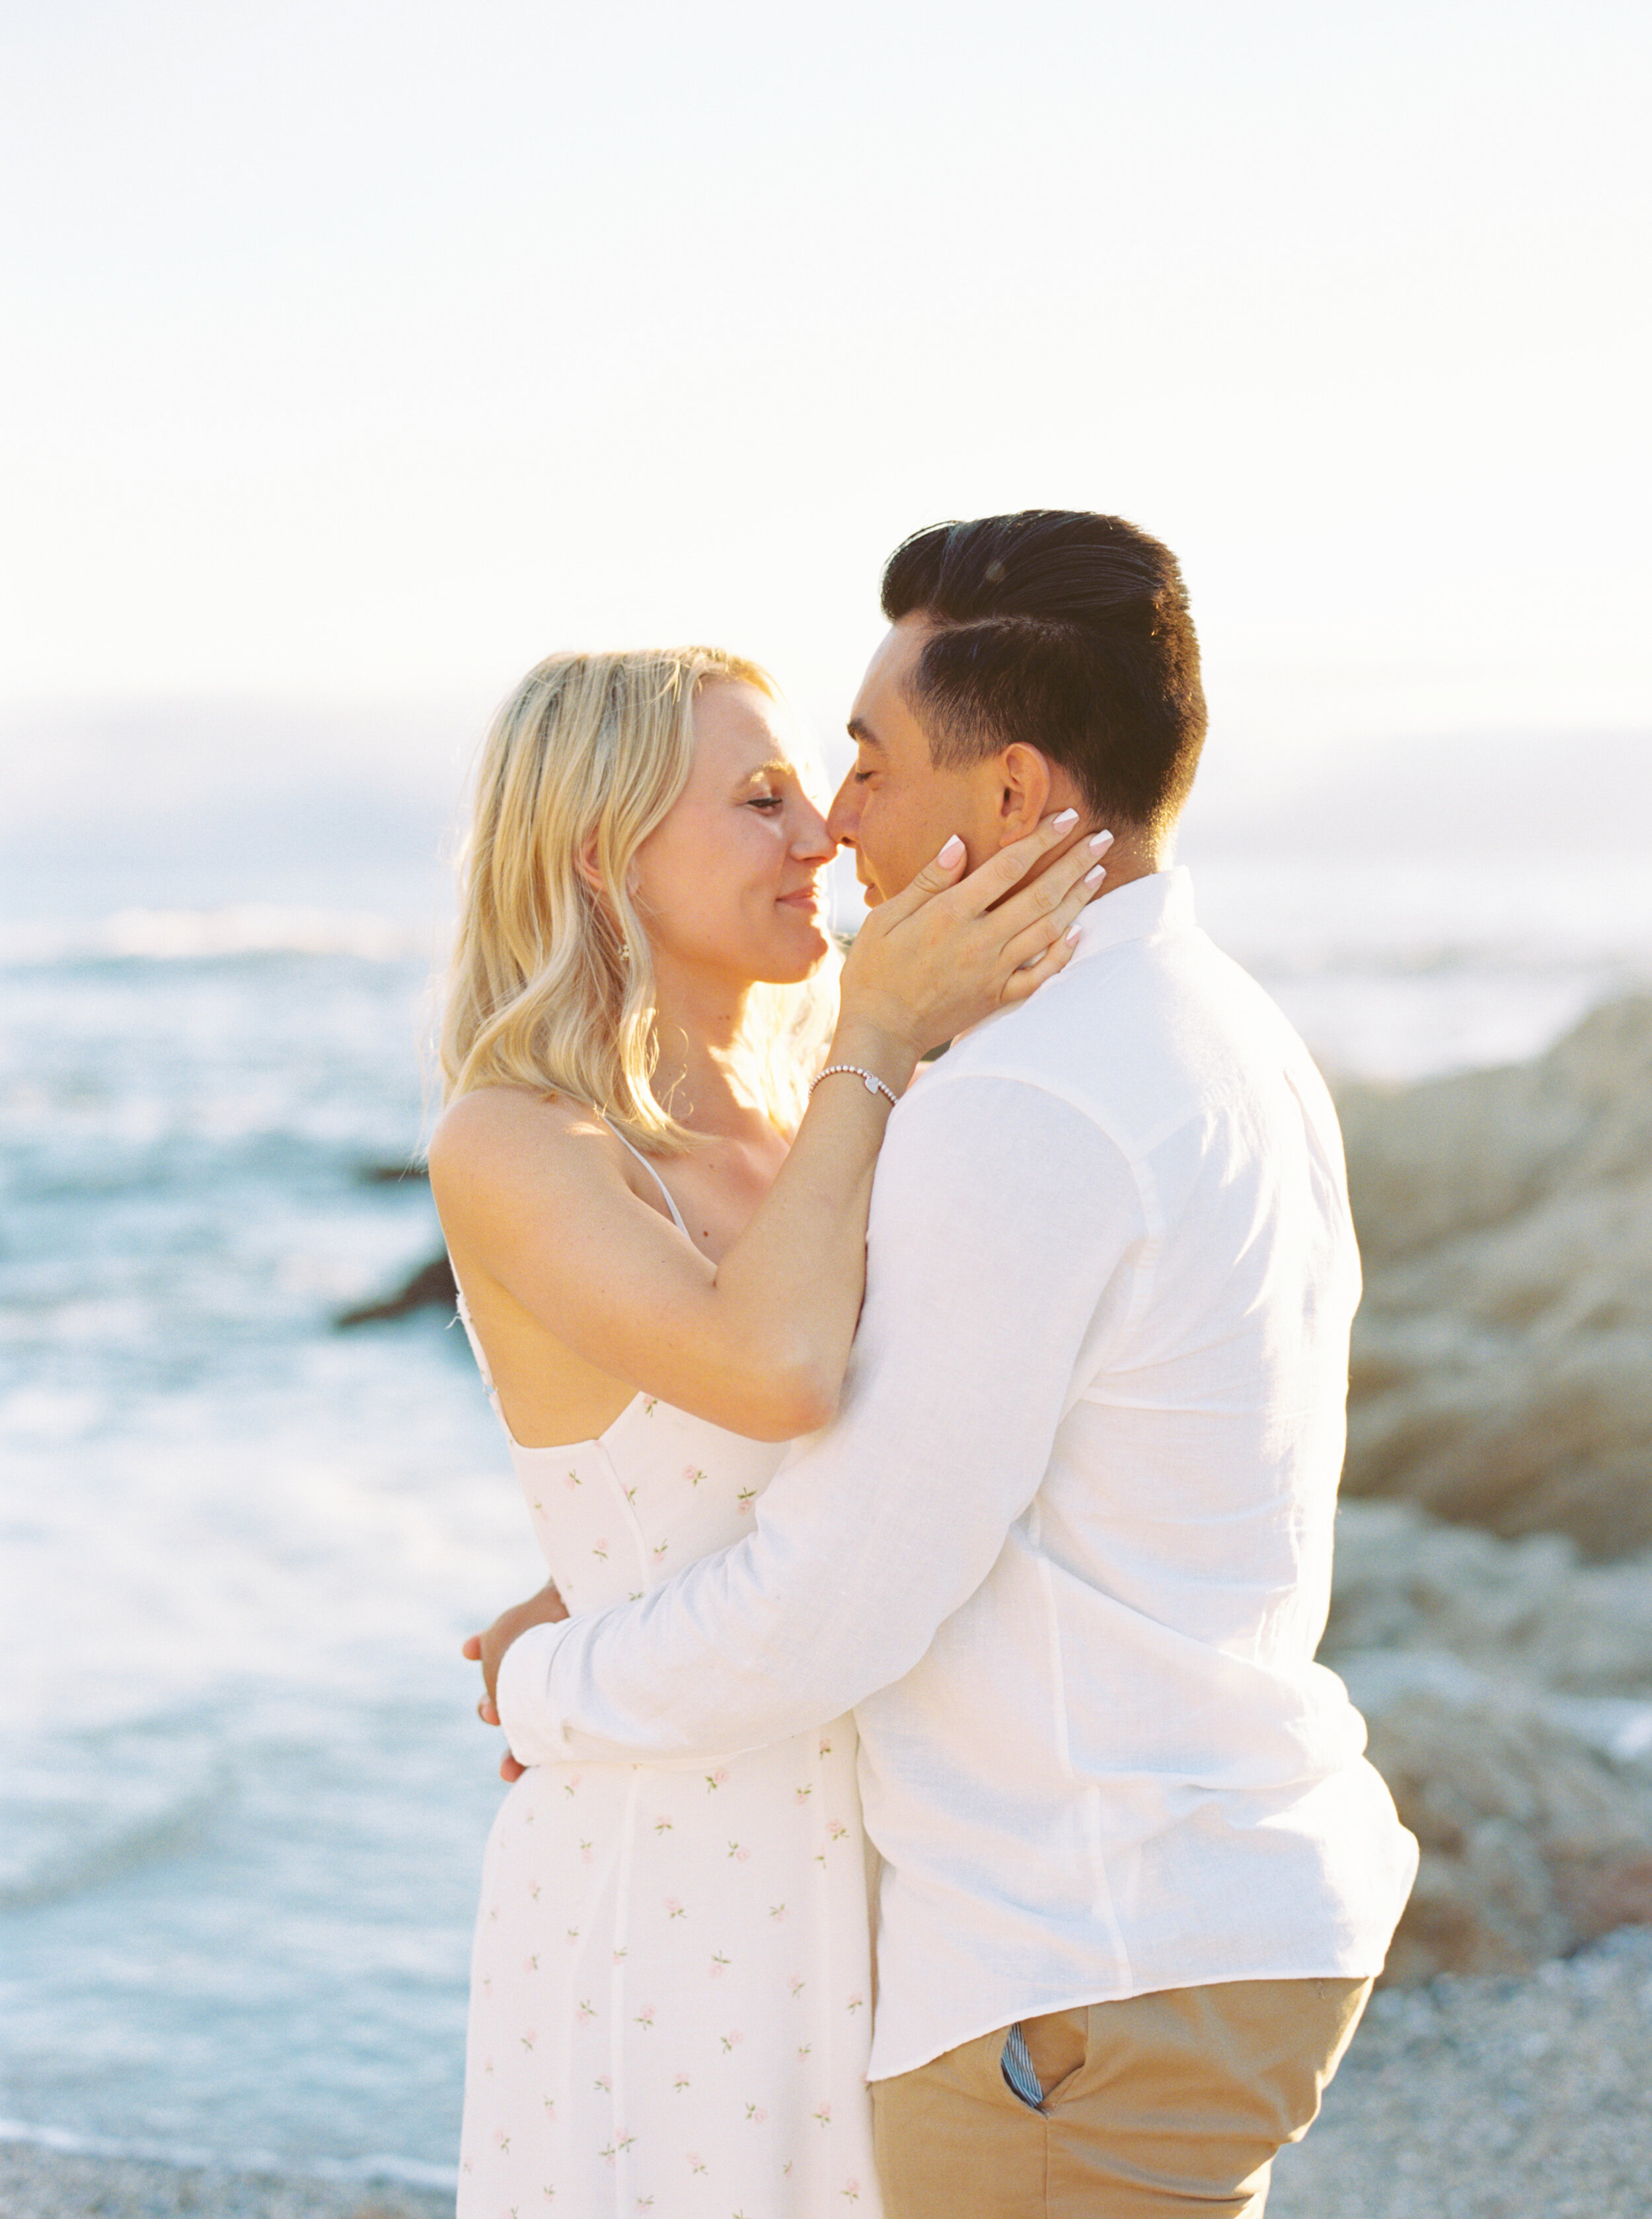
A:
x: 728, y: 881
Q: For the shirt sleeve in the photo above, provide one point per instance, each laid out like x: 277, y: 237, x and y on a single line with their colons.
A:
x: 1000, y: 1217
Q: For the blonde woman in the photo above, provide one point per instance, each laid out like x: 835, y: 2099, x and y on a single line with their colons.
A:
x: 659, y: 1232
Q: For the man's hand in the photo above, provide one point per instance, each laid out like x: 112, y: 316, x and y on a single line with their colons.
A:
x: 488, y: 1649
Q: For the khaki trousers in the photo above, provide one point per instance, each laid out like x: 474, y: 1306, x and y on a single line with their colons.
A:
x: 1152, y: 2105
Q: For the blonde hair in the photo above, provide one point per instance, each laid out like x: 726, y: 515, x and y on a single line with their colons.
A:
x: 551, y: 986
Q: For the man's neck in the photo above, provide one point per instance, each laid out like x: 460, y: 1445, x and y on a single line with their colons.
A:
x: 1136, y: 852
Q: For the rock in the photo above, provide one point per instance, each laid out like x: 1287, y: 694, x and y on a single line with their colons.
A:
x: 1508, y: 1690
x: 1526, y: 1611
x: 431, y: 1287
x: 1502, y: 1363
x: 1531, y: 1842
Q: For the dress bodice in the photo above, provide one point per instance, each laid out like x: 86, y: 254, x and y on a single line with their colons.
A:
x: 616, y: 1515
x: 619, y: 1514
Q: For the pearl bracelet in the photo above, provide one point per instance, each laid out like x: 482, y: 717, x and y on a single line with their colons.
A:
x: 873, y: 1084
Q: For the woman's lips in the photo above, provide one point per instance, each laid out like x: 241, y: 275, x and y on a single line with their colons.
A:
x: 805, y: 898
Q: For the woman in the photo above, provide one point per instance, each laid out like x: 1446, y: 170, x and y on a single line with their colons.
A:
x: 671, y: 1984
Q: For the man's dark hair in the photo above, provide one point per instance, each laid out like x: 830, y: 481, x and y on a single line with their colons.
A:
x: 1068, y: 631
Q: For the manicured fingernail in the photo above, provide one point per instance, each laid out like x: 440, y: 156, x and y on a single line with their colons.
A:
x: 1094, y: 875
x: 951, y: 853
x: 1100, y: 844
x: 1067, y: 817
x: 1074, y: 932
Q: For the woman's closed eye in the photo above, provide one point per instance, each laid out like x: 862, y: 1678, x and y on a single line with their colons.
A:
x: 767, y: 801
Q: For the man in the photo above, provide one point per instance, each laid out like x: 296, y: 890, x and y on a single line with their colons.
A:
x: 1067, y: 1547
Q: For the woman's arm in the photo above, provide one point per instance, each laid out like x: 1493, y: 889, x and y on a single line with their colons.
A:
x: 537, y: 1195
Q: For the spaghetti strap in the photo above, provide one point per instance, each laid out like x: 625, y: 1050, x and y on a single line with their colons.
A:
x: 471, y: 1335
x: 671, y: 1203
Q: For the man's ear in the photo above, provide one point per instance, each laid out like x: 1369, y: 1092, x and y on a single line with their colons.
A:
x: 1023, y: 775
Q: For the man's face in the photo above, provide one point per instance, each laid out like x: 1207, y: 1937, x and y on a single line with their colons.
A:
x: 896, y: 808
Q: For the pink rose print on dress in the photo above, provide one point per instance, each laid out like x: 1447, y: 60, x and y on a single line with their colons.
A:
x: 681, y: 2083
x: 645, y: 2016
x: 673, y: 1909
x: 730, y: 2039
x: 573, y: 1480
x: 601, y: 1549
x: 804, y: 1794
x: 715, y: 1780
x: 662, y: 1824
x: 824, y: 2114
x: 755, y: 2114
x: 696, y: 2162
x: 746, y: 1497
x: 736, y: 1850
x: 719, y: 1964
x: 585, y: 2013
x: 777, y: 1911
x: 586, y: 1857
x: 851, y: 2190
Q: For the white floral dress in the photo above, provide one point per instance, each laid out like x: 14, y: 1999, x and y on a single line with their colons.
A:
x: 671, y: 1984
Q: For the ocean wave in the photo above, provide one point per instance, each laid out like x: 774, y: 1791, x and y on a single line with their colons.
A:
x: 177, y: 1830
x: 192, y: 935
x: 380, y: 2167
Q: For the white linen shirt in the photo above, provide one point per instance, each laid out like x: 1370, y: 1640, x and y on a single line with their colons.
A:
x: 1067, y: 1547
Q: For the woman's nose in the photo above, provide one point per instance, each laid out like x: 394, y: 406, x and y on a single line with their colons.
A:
x: 813, y: 837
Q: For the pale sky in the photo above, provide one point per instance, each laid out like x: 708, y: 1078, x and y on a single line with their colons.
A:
x: 359, y: 354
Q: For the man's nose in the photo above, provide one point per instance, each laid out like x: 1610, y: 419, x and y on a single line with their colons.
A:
x: 843, y: 818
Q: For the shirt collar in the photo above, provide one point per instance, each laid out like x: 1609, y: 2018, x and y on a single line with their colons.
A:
x: 1162, y: 902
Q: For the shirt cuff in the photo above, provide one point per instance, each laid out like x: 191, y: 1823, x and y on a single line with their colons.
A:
x: 522, y: 1697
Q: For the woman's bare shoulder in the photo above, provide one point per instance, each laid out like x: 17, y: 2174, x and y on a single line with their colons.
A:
x: 515, y: 1133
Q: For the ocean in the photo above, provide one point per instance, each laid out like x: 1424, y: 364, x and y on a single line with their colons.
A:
x: 245, y: 1791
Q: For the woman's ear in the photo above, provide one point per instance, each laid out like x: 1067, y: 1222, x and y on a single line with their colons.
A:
x: 585, y: 862
x: 1024, y: 790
